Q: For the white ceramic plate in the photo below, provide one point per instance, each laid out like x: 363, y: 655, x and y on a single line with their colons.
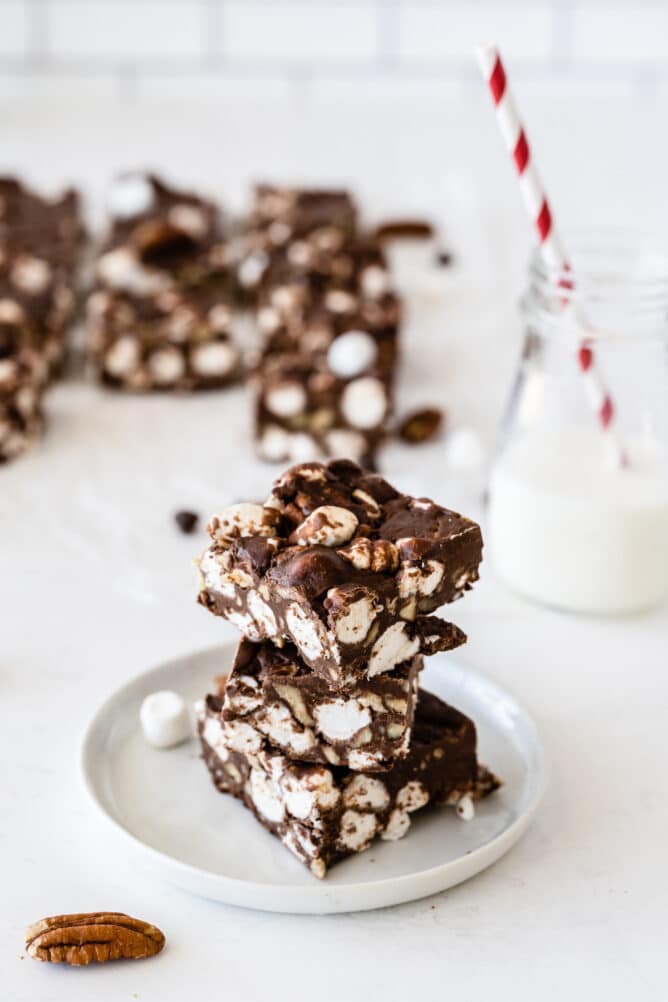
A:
x: 166, y: 809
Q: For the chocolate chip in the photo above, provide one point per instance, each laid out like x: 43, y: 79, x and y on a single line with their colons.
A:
x: 421, y: 426
x: 186, y: 521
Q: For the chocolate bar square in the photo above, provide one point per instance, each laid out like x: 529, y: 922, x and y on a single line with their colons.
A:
x: 273, y: 698
x: 160, y: 317
x: 323, y: 814
x: 342, y: 565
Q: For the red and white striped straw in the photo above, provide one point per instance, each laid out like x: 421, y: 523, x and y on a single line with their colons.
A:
x: 549, y: 242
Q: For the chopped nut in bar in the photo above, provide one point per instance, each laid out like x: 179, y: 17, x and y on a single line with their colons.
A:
x: 342, y: 565
x: 324, y: 813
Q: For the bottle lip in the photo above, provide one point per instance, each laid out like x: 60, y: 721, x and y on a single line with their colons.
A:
x: 615, y: 273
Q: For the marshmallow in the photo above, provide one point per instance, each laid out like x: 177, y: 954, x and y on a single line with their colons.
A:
x: 328, y: 525
x: 216, y: 358
x: 251, y: 269
x: 164, y: 719
x: 375, y: 281
x: 340, y: 301
x: 166, y: 365
x: 300, y: 253
x: 364, y: 402
x: 220, y: 316
x: 351, y: 353
x: 240, y: 521
x: 122, y: 357
x: 466, y: 808
x: 119, y: 269
x: 268, y: 319
x: 11, y: 312
x: 285, y: 399
x: 129, y: 196
x: 190, y: 219
x: 31, y: 274
x: 279, y: 232
x: 8, y: 370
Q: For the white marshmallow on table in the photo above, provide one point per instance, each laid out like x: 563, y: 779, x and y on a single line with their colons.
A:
x: 351, y: 353
x: 129, y: 196
x: 164, y: 719
x: 464, y: 450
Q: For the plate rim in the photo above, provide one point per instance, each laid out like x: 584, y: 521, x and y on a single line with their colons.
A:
x: 316, y: 899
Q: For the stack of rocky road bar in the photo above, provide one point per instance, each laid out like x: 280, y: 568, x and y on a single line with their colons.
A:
x: 40, y: 242
x: 322, y: 729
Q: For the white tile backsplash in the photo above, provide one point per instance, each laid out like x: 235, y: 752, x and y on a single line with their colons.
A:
x: 434, y: 33
x: 621, y: 34
x: 123, y: 29
x: 309, y: 34
x: 346, y: 50
x: 14, y: 28
x: 206, y: 86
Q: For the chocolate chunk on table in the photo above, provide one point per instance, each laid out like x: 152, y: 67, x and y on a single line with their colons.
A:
x: 273, y: 699
x: 332, y: 544
x: 323, y: 814
x: 160, y: 316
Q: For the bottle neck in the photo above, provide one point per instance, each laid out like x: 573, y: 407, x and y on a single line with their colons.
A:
x: 613, y: 287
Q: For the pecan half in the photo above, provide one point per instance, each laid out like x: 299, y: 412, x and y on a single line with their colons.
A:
x: 421, y: 426
x: 404, y: 229
x: 95, y: 936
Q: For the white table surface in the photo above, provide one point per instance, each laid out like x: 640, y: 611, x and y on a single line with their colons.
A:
x: 96, y: 584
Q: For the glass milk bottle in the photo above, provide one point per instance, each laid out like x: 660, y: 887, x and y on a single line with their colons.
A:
x: 578, y: 515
